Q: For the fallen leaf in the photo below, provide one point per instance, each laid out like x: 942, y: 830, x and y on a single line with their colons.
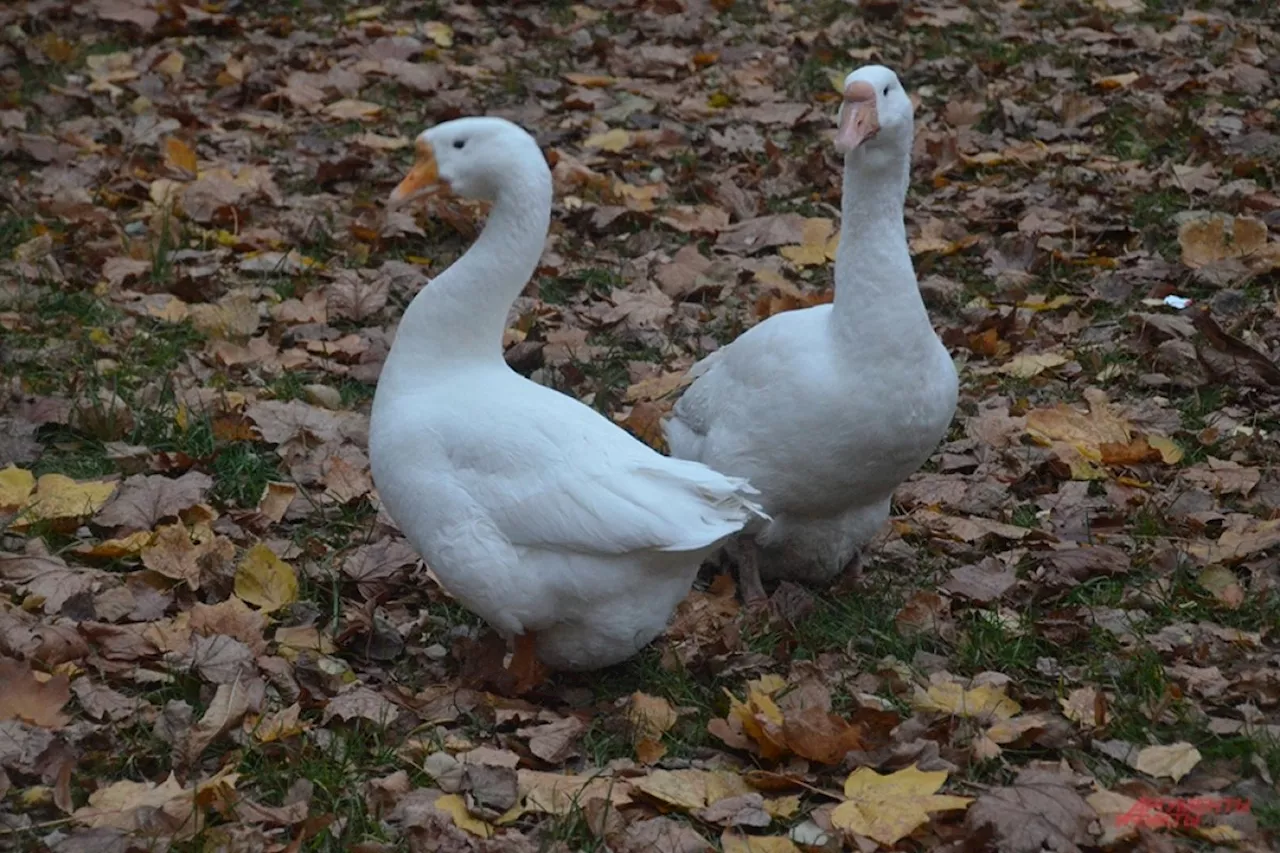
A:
x: 264, y: 580
x: 57, y: 497
x: 1216, y: 237
x: 143, y: 501
x: 738, y: 843
x: 178, y: 155
x: 615, y: 140
x: 1173, y: 761
x: 16, y: 485
x: 952, y: 698
x: 1039, y: 811
x: 360, y: 701
x: 454, y: 806
x: 26, y: 697
x: 1027, y: 365
x: 889, y: 808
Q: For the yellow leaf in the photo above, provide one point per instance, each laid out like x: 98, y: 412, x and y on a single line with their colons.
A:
x: 1224, y: 585
x: 178, y: 155
x: 1027, y: 365
x: 561, y: 794
x: 768, y: 684
x: 1218, y: 237
x: 264, y: 580
x: 761, y: 720
x: 278, y: 725
x: 454, y: 806
x: 684, y: 789
x: 293, y: 639
x: 1113, y: 810
x: 782, y: 808
x: 1117, y: 81
x: 57, y: 496
x: 172, y: 64
x: 614, y: 140
x: 817, y: 246
x: 439, y: 32
x: 952, y: 698
x: 1174, y: 761
x: 369, y: 13
x: 1076, y: 437
x: 738, y: 843
x: 651, y: 716
x: 889, y: 808
x: 1038, y: 304
x: 112, y: 549
x: 15, y: 485
x: 350, y: 109
x: 1170, y: 452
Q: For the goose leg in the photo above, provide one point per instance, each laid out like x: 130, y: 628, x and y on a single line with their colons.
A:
x: 525, y: 666
x: 851, y: 575
x: 749, y: 583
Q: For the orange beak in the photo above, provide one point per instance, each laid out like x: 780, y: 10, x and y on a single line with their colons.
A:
x: 424, y: 175
x: 859, y: 120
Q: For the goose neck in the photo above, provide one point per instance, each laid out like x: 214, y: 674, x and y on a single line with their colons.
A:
x: 461, y: 314
x: 875, y: 280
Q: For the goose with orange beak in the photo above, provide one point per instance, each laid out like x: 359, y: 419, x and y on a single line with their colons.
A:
x: 827, y: 409
x: 423, y: 177
x: 572, y: 539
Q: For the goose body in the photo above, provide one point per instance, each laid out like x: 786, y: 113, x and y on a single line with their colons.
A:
x: 535, y: 511
x: 827, y: 409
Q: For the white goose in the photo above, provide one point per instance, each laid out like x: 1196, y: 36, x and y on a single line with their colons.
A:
x: 826, y: 410
x: 557, y: 527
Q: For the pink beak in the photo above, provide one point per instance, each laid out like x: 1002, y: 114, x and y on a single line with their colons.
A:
x: 859, y: 120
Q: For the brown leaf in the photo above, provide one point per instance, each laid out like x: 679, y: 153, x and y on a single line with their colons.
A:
x: 178, y: 155
x: 661, y: 835
x: 49, y: 578
x: 819, y: 735
x: 145, y: 500
x: 233, y: 618
x: 984, y: 582
x: 30, y: 699
x: 361, y: 702
x: 229, y: 705
x: 1039, y: 810
x: 555, y: 742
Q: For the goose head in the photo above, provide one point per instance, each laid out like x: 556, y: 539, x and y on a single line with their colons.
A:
x: 470, y: 157
x: 876, y: 117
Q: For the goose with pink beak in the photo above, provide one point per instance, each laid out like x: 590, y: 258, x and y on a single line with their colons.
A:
x: 826, y: 410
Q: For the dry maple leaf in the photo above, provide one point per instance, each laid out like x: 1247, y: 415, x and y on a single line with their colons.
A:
x: 360, y: 701
x: 889, y: 808
x: 1077, y: 437
x: 1040, y: 810
x: 145, y: 500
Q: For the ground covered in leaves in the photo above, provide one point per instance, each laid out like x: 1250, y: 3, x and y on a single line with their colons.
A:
x: 212, y: 639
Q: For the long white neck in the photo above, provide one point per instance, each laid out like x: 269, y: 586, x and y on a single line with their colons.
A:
x: 877, y: 296
x: 461, y: 314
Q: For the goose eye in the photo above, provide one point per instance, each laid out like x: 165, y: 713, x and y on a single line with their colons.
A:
x: 459, y: 143
x: 886, y: 90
